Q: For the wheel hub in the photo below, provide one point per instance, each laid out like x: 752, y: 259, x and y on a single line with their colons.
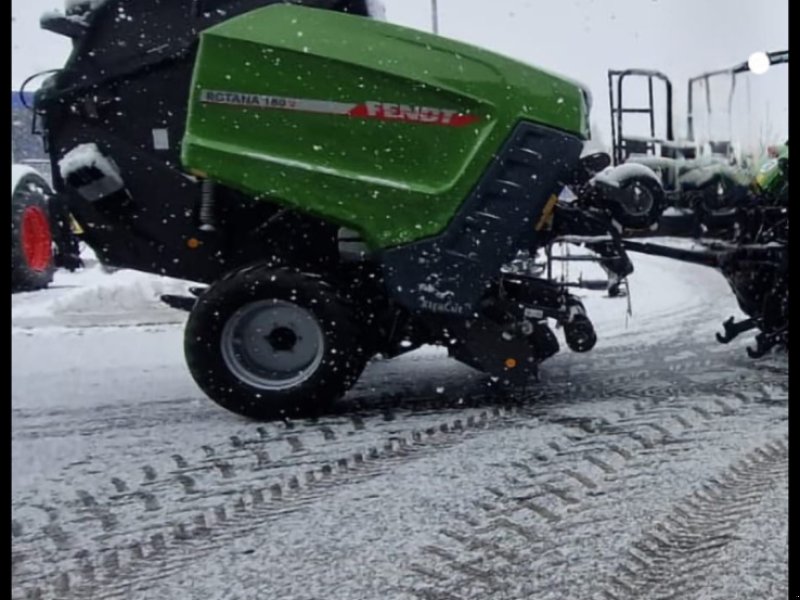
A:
x: 637, y: 200
x: 282, y: 339
x: 273, y: 344
x: 35, y: 238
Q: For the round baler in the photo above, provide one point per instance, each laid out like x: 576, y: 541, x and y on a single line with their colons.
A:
x: 344, y: 186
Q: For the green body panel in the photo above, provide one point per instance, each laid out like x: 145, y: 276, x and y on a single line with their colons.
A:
x: 393, y: 180
x: 769, y: 178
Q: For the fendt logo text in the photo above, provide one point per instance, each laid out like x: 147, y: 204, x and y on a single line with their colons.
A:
x: 382, y: 111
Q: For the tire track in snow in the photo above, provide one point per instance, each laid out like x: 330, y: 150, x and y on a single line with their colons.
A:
x: 273, y: 445
x: 693, y: 320
x: 241, y: 496
x: 110, y: 574
x: 521, y: 546
x: 251, y: 459
x: 756, y: 563
x: 603, y: 362
x: 673, y: 557
x: 163, y: 565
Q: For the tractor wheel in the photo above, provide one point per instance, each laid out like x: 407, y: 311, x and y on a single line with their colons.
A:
x: 638, y: 204
x: 580, y: 334
x: 31, y: 238
x: 269, y: 344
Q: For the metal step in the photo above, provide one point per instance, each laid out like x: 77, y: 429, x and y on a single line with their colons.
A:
x: 179, y: 302
x: 633, y: 110
x: 581, y: 258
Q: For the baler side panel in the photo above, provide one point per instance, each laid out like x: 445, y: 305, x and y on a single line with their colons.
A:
x: 349, y: 146
x: 346, y: 169
x: 451, y: 273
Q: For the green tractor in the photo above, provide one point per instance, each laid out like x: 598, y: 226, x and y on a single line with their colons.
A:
x: 739, y: 208
x: 750, y: 248
x: 343, y: 187
x: 706, y: 180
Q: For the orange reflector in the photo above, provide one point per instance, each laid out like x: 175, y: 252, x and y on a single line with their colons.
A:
x: 193, y: 243
x: 511, y: 363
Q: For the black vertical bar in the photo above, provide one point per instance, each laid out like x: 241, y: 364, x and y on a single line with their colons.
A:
x: 652, y: 107
x: 619, y: 116
x: 690, y: 118
x: 614, y: 140
x: 730, y: 106
x: 549, y: 253
x: 670, y: 132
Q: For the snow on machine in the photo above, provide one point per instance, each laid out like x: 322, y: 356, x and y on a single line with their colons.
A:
x: 343, y: 186
x: 741, y: 210
x: 705, y: 180
x: 753, y: 257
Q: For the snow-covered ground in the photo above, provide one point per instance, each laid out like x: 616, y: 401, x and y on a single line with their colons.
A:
x: 654, y: 466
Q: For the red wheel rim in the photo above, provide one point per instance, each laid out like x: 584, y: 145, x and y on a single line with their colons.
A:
x: 37, y: 242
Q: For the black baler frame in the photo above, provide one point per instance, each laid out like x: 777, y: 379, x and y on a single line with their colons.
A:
x: 117, y: 89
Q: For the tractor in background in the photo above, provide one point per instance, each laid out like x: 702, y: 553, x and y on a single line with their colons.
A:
x: 704, y: 180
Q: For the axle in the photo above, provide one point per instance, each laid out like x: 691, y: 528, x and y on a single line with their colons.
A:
x: 708, y: 258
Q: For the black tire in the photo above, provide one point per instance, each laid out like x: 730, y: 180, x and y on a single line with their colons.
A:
x: 580, y: 334
x: 32, y: 264
x: 632, y: 214
x: 216, y: 357
x: 722, y: 193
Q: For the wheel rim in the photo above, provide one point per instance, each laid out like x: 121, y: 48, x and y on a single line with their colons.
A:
x: 637, y: 200
x: 273, y: 345
x: 36, y: 239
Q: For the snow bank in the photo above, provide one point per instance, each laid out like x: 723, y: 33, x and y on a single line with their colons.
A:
x: 93, y: 297
x: 121, y: 293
